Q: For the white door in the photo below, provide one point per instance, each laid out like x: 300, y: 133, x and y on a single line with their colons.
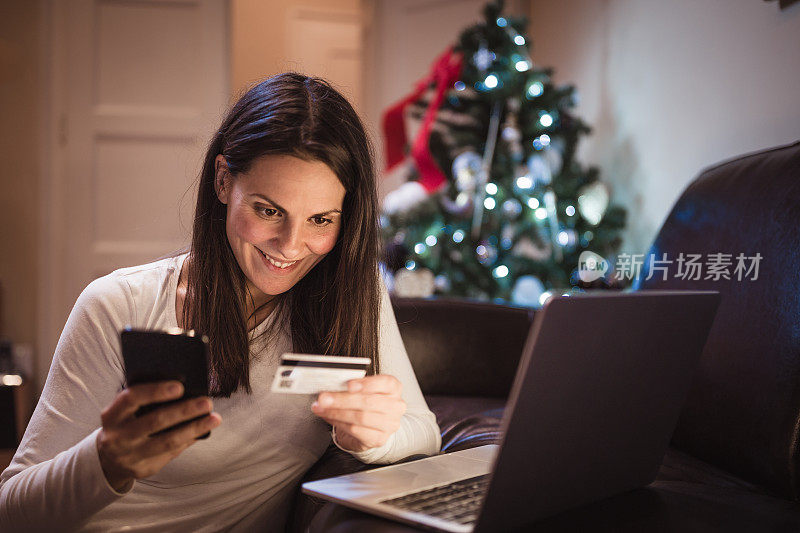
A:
x: 137, y: 88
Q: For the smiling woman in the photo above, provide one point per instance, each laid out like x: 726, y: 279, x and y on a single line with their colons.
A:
x: 278, y: 239
x: 283, y: 258
x: 295, y: 141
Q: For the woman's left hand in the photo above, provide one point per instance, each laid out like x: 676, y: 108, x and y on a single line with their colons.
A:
x: 366, y: 415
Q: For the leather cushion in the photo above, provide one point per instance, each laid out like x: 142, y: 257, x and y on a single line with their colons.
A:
x: 467, y: 422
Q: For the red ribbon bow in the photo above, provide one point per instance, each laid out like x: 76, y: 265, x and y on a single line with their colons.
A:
x: 444, y: 72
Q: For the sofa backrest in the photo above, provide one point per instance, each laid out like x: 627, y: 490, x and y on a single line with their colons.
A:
x: 743, y: 410
x: 462, y: 348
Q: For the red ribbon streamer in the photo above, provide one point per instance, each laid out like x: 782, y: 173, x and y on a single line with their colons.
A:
x: 444, y: 72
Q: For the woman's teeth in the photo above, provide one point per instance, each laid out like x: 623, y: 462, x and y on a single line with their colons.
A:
x: 277, y: 263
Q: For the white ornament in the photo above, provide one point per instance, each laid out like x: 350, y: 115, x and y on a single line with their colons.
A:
x: 404, y: 198
x: 483, y: 58
x: 555, y: 154
x: 593, y: 202
x: 442, y: 283
x: 462, y: 206
x: 414, y: 283
x: 527, y: 291
x: 511, y: 134
x: 512, y: 208
x: 466, y: 169
x: 539, y: 171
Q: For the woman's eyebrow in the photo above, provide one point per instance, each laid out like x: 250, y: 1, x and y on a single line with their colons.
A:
x: 279, y: 208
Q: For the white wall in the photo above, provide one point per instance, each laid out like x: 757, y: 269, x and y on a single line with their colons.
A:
x: 672, y: 87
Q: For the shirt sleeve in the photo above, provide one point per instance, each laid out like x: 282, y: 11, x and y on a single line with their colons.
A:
x: 418, y: 432
x: 55, y: 476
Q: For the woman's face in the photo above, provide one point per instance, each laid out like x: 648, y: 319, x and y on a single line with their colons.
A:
x: 283, y: 216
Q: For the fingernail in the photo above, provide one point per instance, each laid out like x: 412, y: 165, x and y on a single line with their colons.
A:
x: 315, y: 405
x: 175, y: 388
x: 325, y: 400
x: 355, y: 386
x: 203, y: 404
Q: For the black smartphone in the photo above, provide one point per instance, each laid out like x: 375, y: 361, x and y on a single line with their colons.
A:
x: 180, y: 355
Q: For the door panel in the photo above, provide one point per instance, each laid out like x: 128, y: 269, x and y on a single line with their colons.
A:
x: 327, y: 43
x: 138, y: 86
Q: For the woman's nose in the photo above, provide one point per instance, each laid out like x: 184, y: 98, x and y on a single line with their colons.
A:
x: 290, y: 240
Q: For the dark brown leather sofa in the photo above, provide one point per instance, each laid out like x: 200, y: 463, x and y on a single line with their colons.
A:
x: 734, y: 463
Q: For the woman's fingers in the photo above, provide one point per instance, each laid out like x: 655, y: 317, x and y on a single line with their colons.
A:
x: 131, y: 399
x: 169, y: 415
x: 379, y: 403
x: 367, y: 413
x: 175, y: 441
x: 367, y: 419
x: 150, y: 457
x: 126, y: 444
x: 377, y: 384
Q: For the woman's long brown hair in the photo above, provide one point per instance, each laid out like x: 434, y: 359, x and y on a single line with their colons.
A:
x: 334, y: 308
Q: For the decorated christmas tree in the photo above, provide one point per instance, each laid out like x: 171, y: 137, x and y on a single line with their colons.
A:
x: 495, y: 205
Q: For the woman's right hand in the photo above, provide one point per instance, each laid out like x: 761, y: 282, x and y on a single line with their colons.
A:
x: 126, y: 445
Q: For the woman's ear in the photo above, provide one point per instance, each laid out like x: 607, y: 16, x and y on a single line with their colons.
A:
x: 222, y: 179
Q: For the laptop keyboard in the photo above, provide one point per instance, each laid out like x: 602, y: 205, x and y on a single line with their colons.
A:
x: 457, y: 502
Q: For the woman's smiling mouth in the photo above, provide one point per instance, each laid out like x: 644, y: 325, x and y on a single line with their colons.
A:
x: 275, y: 263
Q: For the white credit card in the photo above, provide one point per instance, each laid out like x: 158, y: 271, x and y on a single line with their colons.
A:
x: 312, y: 374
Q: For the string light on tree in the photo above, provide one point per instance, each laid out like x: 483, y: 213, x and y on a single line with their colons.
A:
x: 535, y: 89
x: 500, y: 271
x: 524, y: 182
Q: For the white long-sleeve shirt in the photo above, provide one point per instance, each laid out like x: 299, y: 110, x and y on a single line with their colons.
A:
x: 241, y: 478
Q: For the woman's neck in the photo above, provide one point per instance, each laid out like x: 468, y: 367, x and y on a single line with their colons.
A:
x: 264, y: 305
x: 257, y: 309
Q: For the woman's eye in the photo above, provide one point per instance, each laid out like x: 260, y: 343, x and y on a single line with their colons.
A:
x: 321, y: 221
x: 267, y: 211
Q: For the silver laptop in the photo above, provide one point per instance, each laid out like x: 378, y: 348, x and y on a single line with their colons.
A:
x: 596, y: 398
